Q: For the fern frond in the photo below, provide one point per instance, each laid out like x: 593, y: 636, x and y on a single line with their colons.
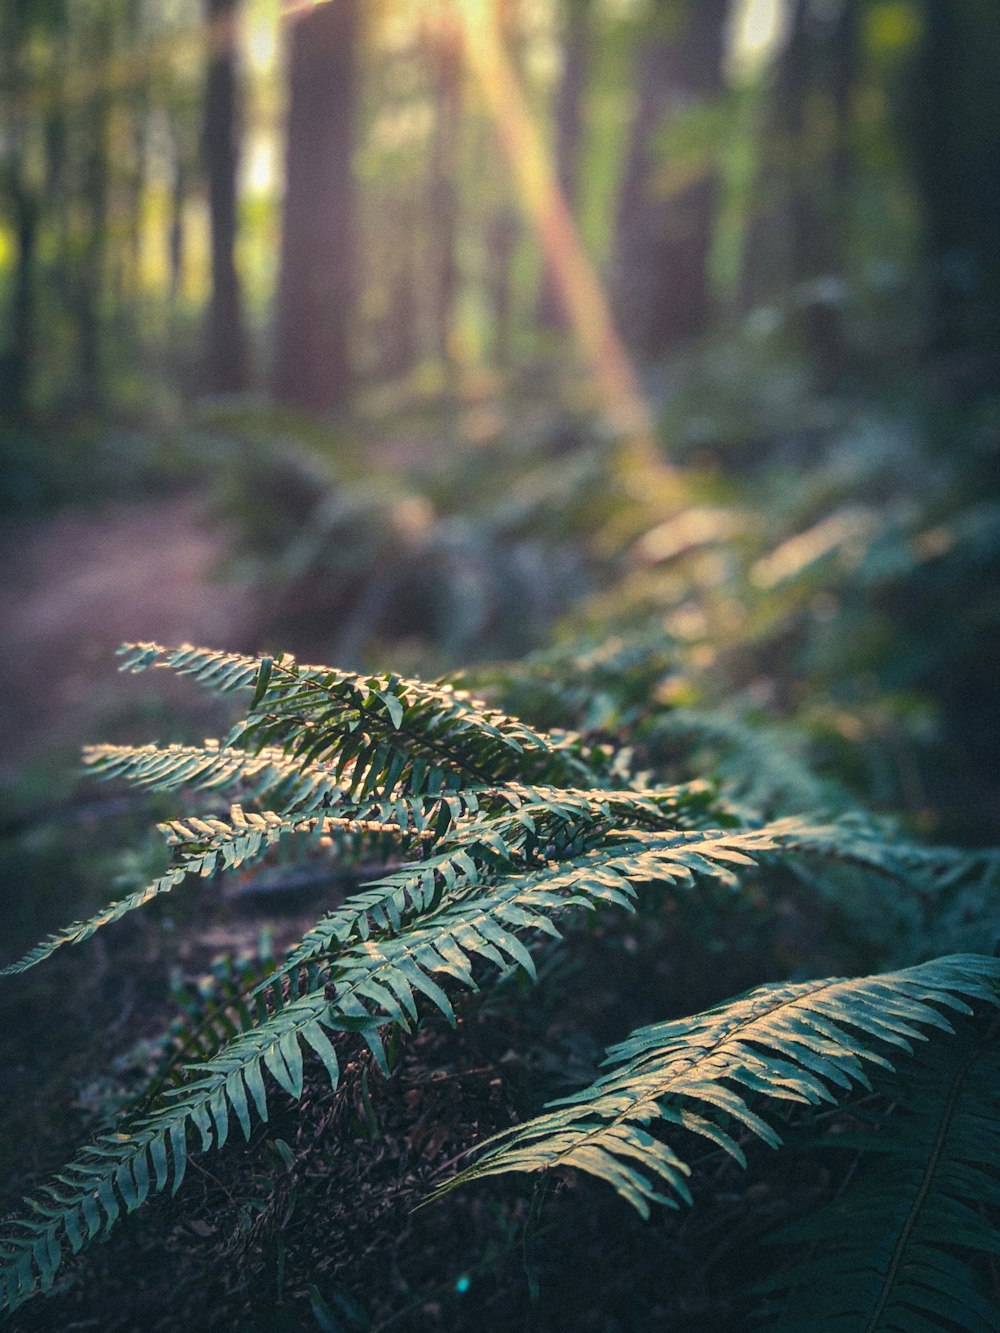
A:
x: 803, y: 1042
x: 383, y: 728
x: 605, y: 873
x: 896, y: 1250
x: 122, y: 1169
x: 268, y: 772
x: 294, y: 785
x: 502, y: 831
x: 373, y: 981
x: 587, y: 850
x: 79, y: 931
x: 213, y: 845
x: 211, y: 1011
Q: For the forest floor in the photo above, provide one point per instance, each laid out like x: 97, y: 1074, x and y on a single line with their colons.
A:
x: 79, y: 583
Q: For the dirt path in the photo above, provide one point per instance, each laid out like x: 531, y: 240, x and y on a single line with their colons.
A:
x: 76, y: 585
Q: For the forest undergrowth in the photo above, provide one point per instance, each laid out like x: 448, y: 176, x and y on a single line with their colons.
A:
x: 763, y: 694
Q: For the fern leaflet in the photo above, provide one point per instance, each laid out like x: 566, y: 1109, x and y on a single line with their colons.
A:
x: 802, y: 1042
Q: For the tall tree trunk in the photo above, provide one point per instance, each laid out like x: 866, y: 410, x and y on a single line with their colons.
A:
x: 226, y: 358
x: 794, y: 246
x: 137, y: 195
x: 768, y: 244
x: 176, y: 235
x: 568, y: 114
x: 19, y: 201
x: 821, y: 189
x: 56, y: 189
x: 91, y: 273
x: 663, y: 228
x: 19, y: 360
x: 312, y: 361
x: 956, y: 143
x: 502, y: 235
x: 397, y: 335
x: 445, y: 52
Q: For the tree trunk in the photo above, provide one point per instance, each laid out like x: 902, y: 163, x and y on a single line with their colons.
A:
x: 955, y: 146
x: 823, y: 167
x: 312, y: 362
x: 176, y: 237
x: 445, y: 53
x: 397, y: 329
x: 767, y: 243
x: 56, y: 188
x: 501, y: 242
x: 226, y: 359
x: 19, y: 361
x: 91, y: 271
x: 568, y: 113
x: 19, y: 201
x: 795, y: 239
x: 664, y: 228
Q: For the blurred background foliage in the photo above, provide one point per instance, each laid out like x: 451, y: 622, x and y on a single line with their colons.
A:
x: 474, y: 320
x: 637, y: 356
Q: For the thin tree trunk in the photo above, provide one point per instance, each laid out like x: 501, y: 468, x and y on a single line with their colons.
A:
x: 664, y: 231
x: 446, y: 55
x: 768, y: 240
x: 56, y: 188
x: 398, y: 332
x: 821, y: 192
x: 21, y: 356
x: 91, y: 274
x: 501, y: 243
x: 312, y: 361
x: 226, y: 359
x: 137, y: 194
x: 21, y: 205
x: 176, y: 234
x: 794, y: 246
x: 568, y: 113
x: 955, y: 146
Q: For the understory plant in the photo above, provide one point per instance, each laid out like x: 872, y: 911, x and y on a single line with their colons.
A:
x: 491, y: 836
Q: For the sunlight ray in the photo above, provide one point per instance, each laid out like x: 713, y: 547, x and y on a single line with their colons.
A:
x: 578, y: 286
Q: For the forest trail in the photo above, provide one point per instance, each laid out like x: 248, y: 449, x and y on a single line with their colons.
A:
x: 78, y: 583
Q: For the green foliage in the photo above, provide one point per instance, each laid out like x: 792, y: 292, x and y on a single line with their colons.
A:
x: 493, y: 837
x: 897, y: 1250
x: 804, y: 1042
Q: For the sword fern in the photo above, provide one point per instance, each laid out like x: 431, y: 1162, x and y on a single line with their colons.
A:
x: 490, y: 834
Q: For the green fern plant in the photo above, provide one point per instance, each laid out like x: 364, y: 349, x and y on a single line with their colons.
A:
x: 491, y: 833
x: 900, y: 1249
x: 792, y: 1042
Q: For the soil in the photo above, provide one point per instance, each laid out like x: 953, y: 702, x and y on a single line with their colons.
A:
x: 79, y: 583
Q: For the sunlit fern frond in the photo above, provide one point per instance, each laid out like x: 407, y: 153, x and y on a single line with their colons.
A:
x: 387, y: 732
x: 210, y: 845
x: 266, y: 773
x: 487, y: 835
x: 801, y: 1042
x: 291, y: 785
x: 211, y: 1009
x: 453, y: 883
x: 362, y: 986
